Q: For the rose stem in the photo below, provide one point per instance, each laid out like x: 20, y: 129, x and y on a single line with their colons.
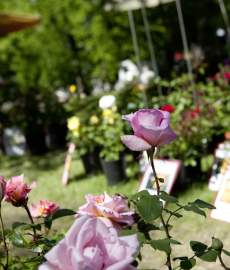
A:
x: 222, y: 263
x: 168, y: 263
x: 4, y: 241
x: 31, y: 219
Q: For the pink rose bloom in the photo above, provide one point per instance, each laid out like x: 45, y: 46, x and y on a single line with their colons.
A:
x: 90, y: 245
x: 43, y: 209
x: 110, y: 209
x: 16, y: 192
x: 151, y: 129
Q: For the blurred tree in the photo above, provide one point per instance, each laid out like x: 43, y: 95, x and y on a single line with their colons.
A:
x: 78, y: 41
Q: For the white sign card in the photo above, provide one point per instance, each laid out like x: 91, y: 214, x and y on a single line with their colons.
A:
x: 165, y: 168
x: 222, y: 200
x: 222, y: 159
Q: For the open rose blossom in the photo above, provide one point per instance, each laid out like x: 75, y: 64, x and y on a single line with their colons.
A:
x: 110, y: 209
x: 16, y: 192
x: 151, y: 129
x: 43, y: 209
x: 90, y: 245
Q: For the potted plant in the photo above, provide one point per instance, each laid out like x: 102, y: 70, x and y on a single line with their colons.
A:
x: 82, y: 130
x: 112, y: 153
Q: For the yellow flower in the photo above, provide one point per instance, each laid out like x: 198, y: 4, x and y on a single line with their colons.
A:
x: 111, y: 121
x: 76, y: 133
x: 73, y: 88
x: 73, y: 123
x: 107, y: 112
x: 94, y: 119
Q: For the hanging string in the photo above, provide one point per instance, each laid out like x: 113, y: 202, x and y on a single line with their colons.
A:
x: 136, y: 50
x: 225, y: 17
x: 185, y: 44
x: 151, y: 50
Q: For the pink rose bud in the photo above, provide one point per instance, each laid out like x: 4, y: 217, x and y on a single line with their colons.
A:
x: 43, y: 209
x: 89, y: 244
x: 110, y: 209
x: 151, y: 129
x: 16, y: 192
x: 2, y: 187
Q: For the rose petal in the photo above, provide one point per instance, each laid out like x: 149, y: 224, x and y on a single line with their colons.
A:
x: 156, y: 136
x: 150, y: 118
x: 166, y: 118
x: 135, y: 143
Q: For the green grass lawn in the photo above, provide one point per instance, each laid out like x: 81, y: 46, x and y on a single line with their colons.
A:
x: 47, y: 171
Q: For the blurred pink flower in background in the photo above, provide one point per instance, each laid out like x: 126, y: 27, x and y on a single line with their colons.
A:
x: 2, y: 187
x: 151, y: 129
x: 16, y: 192
x: 110, y: 209
x: 89, y: 244
x: 43, y: 209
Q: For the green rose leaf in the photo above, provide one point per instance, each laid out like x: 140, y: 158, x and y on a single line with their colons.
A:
x: 36, y: 259
x: 139, y: 194
x: 149, y: 207
x: 197, y: 246
x: 16, y: 225
x: 161, y: 244
x: 63, y: 213
x: 36, y: 226
x: 172, y: 241
x: 208, y: 256
x: 17, y: 240
x: 188, y: 264
x: 195, y: 209
x: 180, y: 258
x: 202, y: 204
x: 226, y: 252
x: 48, y: 223
x: 166, y: 197
x: 36, y: 249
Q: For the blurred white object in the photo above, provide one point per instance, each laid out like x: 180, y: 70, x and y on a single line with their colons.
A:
x: 106, y: 102
x: 147, y: 75
x: 220, y: 32
x: 6, y: 106
x: 134, y: 4
x: 14, y: 142
x: 62, y: 95
x: 127, y: 73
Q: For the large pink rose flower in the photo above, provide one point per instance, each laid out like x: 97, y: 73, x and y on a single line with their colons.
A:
x: 90, y: 245
x: 110, y: 209
x: 16, y: 192
x: 43, y: 209
x: 151, y: 129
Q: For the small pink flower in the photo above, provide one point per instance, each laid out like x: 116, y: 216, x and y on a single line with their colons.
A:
x: 90, y: 245
x: 110, y: 209
x: 151, y: 129
x: 227, y: 75
x: 2, y: 187
x: 43, y: 209
x: 16, y: 192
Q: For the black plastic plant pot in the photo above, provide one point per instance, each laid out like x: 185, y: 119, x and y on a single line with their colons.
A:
x: 114, y: 170
x: 91, y: 162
